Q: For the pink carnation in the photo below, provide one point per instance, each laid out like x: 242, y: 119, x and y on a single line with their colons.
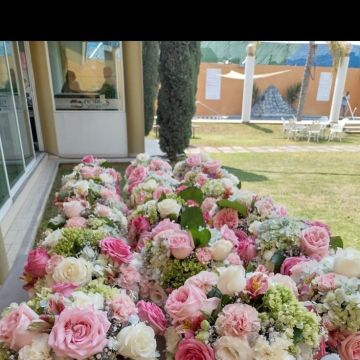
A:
x: 192, y: 349
x: 237, y: 320
x: 138, y: 174
x: 257, y: 284
x: 79, y: 333
x: 129, y: 277
x: 153, y: 315
x: 204, y: 254
x: 88, y: 159
x: 326, y: 282
x: 229, y: 234
x: 36, y: 262
x: 76, y: 222
x: 314, y: 242
x: 227, y: 217
x: 122, y: 308
x: 116, y: 249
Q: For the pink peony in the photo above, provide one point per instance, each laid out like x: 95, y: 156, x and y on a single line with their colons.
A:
x: 229, y: 234
x: 192, y: 349
x: 76, y: 222
x: 165, y: 225
x: 129, y: 277
x: 181, y: 244
x: 326, y: 282
x: 350, y: 347
x: 257, y: 284
x: 79, y: 333
x: 122, y: 308
x: 73, y: 208
x: 161, y: 190
x: 153, y: 315
x: 187, y: 302
x: 314, y: 242
x: 246, y: 249
x: 138, y: 174
x: 89, y: 172
x: 227, y: 217
x: 36, y: 262
x: 290, y: 262
x: 193, y: 160
x: 204, y: 254
x: 14, y: 327
x: 204, y: 280
x: 211, y: 167
x: 65, y: 289
x: 237, y: 320
x: 116, y: 249
x: 88, y: 159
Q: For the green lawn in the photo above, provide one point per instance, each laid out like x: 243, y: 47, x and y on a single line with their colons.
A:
x: 317, y: 186
x: 210, y: 134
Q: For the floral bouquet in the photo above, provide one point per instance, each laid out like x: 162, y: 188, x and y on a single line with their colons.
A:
x: 230, y: 315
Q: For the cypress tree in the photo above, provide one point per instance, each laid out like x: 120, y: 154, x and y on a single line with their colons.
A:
x: 178, y: 71
x: 150, y: 53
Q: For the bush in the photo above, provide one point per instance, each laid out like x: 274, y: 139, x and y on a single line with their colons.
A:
x: 255, y: 94
x: 293, y: 92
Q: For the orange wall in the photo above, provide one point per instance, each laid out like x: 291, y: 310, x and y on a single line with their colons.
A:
x: 230, y: 102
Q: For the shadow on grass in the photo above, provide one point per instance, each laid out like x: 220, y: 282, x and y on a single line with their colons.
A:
x: 245, y: 175
x: 260, y: 128
x: 304, y: 173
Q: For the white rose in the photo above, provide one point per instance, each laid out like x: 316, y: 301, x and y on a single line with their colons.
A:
x: 81, y: 188
x: 168, y: 207
x: 38, y: 350
x: 233, y: 348
x: 137, y: 342
x: 172, y: 338
x: 232, y: 279
x: 143, y: 158
x: 221, y: 249
x: 73, y: 208
x: 150, y: 185
x: 53, y: 238
x: 347, y: 262
x: 82, y: 300
x: 106, y: 178
x: 73, y: 270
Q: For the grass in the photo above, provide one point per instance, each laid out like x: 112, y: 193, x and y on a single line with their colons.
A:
x: 210, y: 134
x: 314, y: 186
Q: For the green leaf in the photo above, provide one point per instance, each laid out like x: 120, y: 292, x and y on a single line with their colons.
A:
x: 192, y: 193
x: 106, y: 165
x: 336, y: 242
x: 62, y: 196
x: 162, y: 197
x: 201, y: 237
x: 241, y: 208
x: 239, y: 185
x: 215, y: 292
x: 226, y: 299
x: 192, y: 217
x: 298, y: 336
x: 277, y: 259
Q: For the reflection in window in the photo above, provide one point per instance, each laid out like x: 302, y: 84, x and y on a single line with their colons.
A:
x: 87, y: 75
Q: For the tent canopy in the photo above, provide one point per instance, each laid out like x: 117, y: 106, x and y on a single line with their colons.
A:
x: 239, y: 76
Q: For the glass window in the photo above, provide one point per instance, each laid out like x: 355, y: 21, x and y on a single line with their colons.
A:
x: 87, y: 75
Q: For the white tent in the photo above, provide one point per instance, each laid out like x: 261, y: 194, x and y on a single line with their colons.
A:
x: 239, y: 76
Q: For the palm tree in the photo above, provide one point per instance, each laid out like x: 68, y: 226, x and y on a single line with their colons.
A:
x: 305, y: 81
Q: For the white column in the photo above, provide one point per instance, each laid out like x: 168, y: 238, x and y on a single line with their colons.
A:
x: 248, y: 82
x: 339, y: 88
x: 4, y: 265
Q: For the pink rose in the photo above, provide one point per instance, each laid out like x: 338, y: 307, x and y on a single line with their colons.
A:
x: 265, y: 207
x: 192, y: 349
x: 138, y: 174
x: 138, y: 225
x: 53, y: 262
x: 326, y: 282
x: 290, y: 262
x: 65, y: 289
x: 181, y: 244
x: 88, y: 159
x: 321, y: 224
x: 204, y: 280
x: 187, y: 302
x: 161, y: 190
x: 227, y: 217
x: 246, y: 249
x: 36, y: 262
x: 157, y: 294
x: 193, y: 160
x: 201, y: 179
x: 77, y: 222
x: 204, y: 254
x: 129, y: 277
x: 14, y: 327
x: 102, y: 210
x: 89, y: 172
x: 158, y: 164
x: 314, y: 241
x: 165, y: 225
x: 350, y: 347
x: 79, y: 333
x: 73, y: 208
x: 116, y: 249
x: 229, y: 234
x: 257, y: 284
x: 237, y: 320
x: 122, y: 308
x: 212, y: 166
x: 153, y: 315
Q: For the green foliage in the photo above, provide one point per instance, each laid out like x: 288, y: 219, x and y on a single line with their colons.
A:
x: 241, y: 208
x: 192, y: 193
x: 201, y: 237
x: 336, y: 242
x: 277, y: 259
x: 176, y: 272
x: 293, y: 92
x: 74, y: 240
x: 192, y: 217
x: 150, y: 54
x: 178, y: 71
x: 255, y: 94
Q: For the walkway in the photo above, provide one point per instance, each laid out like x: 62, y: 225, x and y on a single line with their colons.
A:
x: 273, y: 149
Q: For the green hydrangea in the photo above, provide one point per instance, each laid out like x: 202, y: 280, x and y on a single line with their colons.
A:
x: 176, y: 272
x: 74, y: 240
x: 214, y: 188
x: 98, y: 286
x: 286, y: 314
x: 42, y: 295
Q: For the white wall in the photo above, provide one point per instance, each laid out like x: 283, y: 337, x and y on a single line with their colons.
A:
x: 100, y: 133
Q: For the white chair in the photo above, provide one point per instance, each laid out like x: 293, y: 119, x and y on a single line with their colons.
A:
x: 336, y: 130
x: 285, y: 126
x: 314, y: 131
